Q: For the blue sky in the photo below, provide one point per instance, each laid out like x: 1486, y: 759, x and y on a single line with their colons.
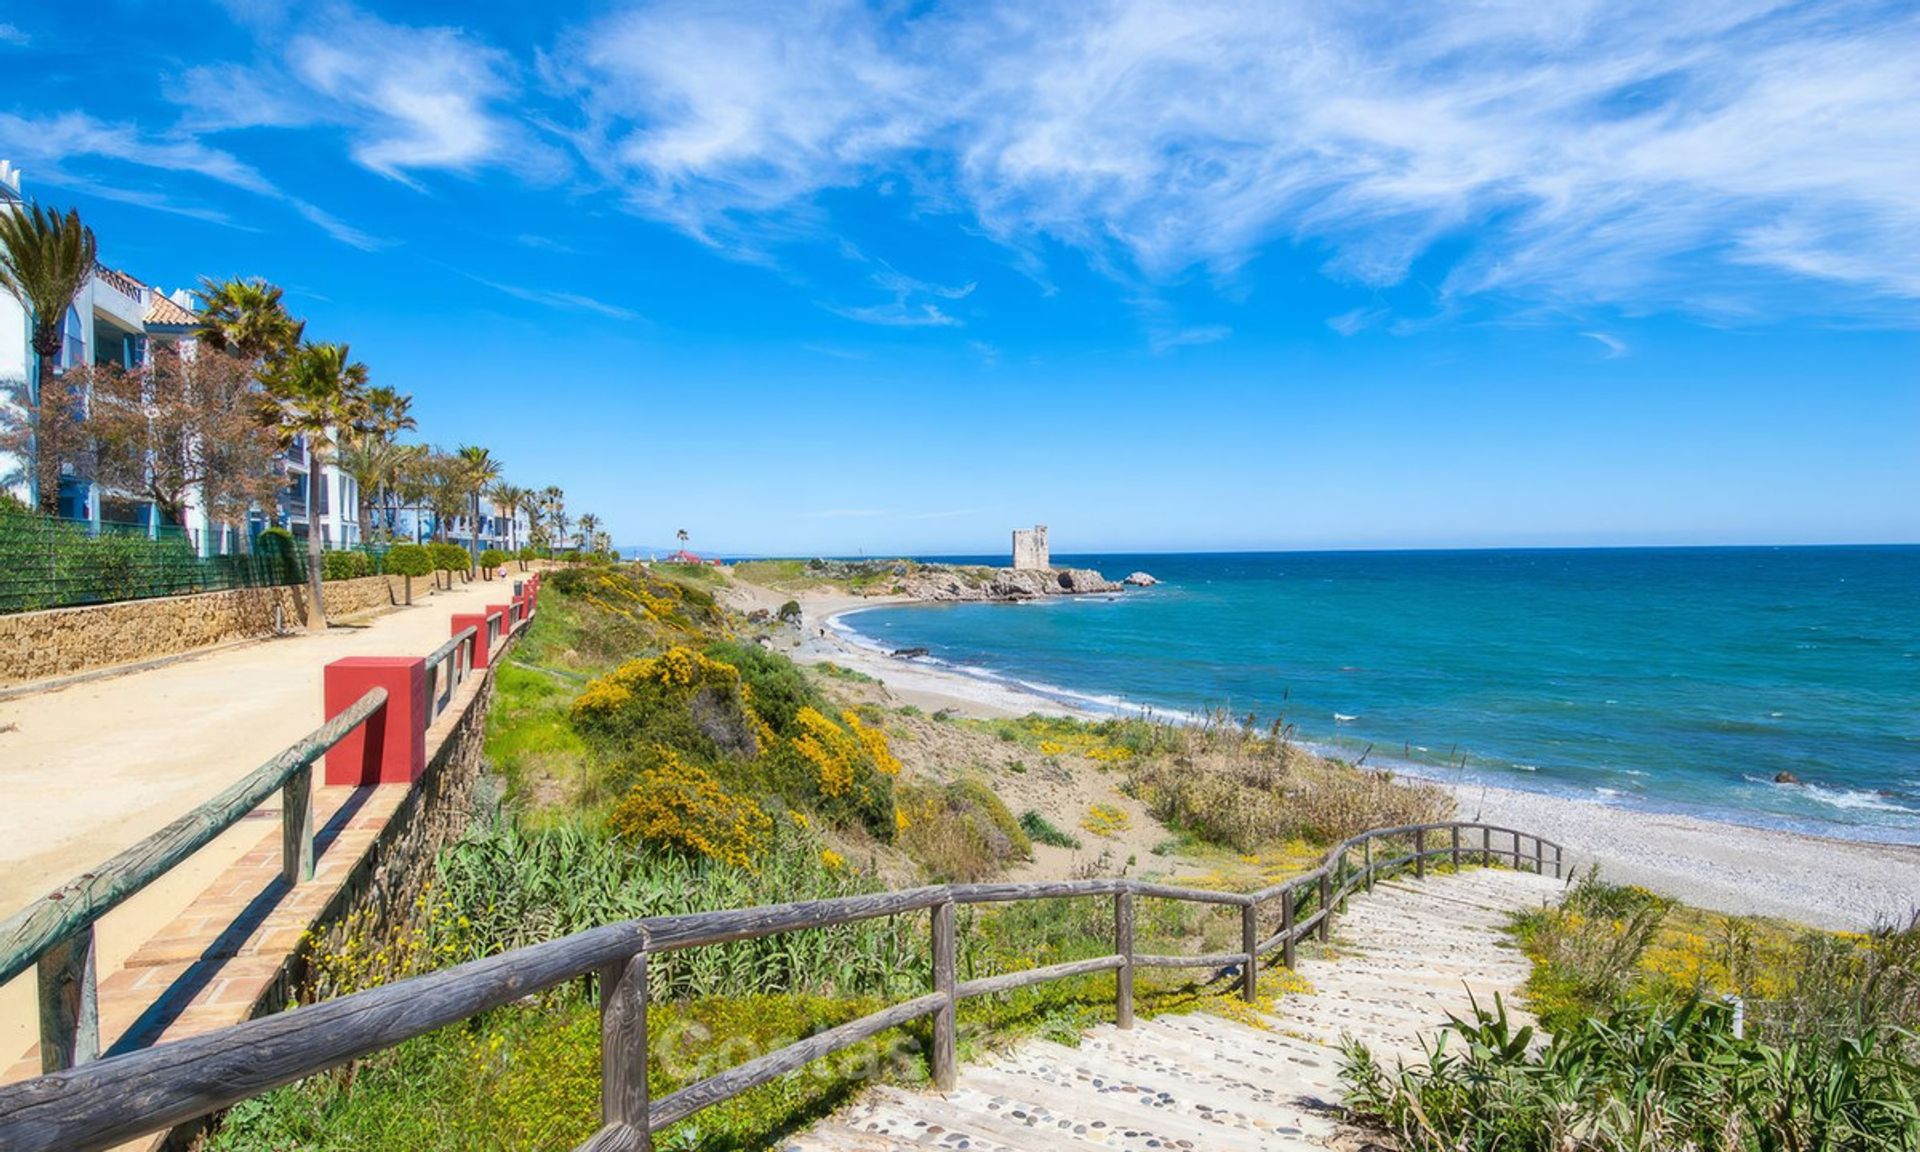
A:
x: 820, y: 277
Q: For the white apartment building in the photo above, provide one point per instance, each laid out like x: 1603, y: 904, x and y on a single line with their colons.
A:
x: 116, y: 319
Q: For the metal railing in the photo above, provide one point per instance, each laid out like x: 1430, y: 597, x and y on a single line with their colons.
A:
x: 101, y: 1104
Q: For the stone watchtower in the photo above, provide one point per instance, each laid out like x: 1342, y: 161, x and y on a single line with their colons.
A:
x: 1030, y: 549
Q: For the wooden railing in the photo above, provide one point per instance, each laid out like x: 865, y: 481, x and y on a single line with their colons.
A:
x: 110, y: 1101
x: 448, y: 667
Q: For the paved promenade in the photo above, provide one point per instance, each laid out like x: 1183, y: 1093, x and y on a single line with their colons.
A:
x: 90, y: 769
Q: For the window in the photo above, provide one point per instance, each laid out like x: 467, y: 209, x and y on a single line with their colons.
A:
x: 73, y: 341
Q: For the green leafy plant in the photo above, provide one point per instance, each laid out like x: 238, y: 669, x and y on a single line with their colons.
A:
x: 1044, y: 831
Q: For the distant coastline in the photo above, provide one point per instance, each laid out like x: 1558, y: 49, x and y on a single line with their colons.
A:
x: 1721, y: 861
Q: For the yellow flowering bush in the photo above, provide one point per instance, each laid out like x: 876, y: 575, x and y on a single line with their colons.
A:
x: 682, y: 699
x: 875, y: 743
x: 833, y: 752
x: 1106, y: 820
x: 679, y: 804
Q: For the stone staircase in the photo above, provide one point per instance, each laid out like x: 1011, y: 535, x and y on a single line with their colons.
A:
x: 1402, y: 958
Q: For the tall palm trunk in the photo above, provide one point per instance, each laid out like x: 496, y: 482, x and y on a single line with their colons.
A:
x: 45, y: 353
x: 473, y: 537
x: 317, y: 614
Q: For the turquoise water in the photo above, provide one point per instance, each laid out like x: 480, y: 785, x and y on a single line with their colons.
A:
x: 1669, y: 679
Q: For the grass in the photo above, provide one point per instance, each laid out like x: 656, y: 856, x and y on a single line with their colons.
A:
x: 1041, y: 830
x: 1643, y: 1054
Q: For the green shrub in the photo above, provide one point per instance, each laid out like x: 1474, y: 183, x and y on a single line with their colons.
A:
x: 408, y: 560
x: 1646, y: 1076
x: 1044, y: 831
x: 529, y: 553
x: 449, y: 557
x: 492, y: 558
x: 789, y: 612
x: 958, y: 831
x: 345, y: 565
x: 779, y: 688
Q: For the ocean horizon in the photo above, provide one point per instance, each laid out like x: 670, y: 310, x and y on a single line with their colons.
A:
x: 1679, y: 679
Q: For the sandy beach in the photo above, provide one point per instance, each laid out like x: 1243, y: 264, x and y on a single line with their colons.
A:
x: 1830, y: 883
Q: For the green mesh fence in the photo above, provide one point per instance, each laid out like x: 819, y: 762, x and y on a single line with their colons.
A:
x: 47, y: 563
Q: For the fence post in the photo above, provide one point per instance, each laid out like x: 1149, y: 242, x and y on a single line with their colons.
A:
x: 1286, y: 927
x: 69, y: 1003
x: 1557, y: 873
x: 1340, y: 870
x: 1369, y: 847
x: 945, y: 1021
x: 623, y: 1046
x: 1326, y: 911
x: 1539, y: 857
x: 296, y: 826
x: 1123, y: 948
x: 1516, y: 850
x: 1419, y: 853
x: 1456, y: 847
x: 1249, y: 937
x: 1486, y: 847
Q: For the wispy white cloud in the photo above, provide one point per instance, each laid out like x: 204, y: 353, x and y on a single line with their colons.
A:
x: 1356, y: 321
x: 1574, y: 154
x: 1164, y: 340
x: 1614, y: 346
x: 566, y: 301
x: 844, y: 514
x: 339, y: 229
x: 11, y: 34
x: 904, y: 310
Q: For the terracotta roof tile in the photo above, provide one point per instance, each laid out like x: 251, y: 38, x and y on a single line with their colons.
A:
x: 164, y: 311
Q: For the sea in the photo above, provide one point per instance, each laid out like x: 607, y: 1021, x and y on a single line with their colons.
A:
x: 1665, y: 679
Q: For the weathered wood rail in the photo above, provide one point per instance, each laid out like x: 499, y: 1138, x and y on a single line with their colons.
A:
x: 104, y: 1103
x: 55, y: 933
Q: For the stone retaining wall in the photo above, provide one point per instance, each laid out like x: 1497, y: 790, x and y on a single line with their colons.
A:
x: 64, y: 641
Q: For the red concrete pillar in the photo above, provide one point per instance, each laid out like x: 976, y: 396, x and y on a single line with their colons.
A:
x: 478, y: 622
x: 391, y: 747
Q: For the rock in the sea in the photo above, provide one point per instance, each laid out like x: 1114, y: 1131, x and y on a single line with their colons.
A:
x: 909, y: 653
x: 1140, y: 580
x: 1785, y: 778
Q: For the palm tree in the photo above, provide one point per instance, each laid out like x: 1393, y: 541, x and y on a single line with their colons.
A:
x: 248, y: 318
x: 511, y: 499
x: 321, y: 391
x: 375, y: 464
x: 553, y: 505
x: 45, y: 259
x: 589, y: 525
x: 481, y: 471
x: 388, y: 412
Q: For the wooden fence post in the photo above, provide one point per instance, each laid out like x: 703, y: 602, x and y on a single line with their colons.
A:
x: 623, y: 1046
x: 1516, y: 850
x: 1249, y: 937
x: 1539, y: 857
x: 1123, y: 948
x: 1369, y: 848
x: 1326, y: 912
x: 1456, y: 847
x: 945, y: 1017
x: 1340, y: 870
x: 1420, y: 853
x: 296, y: 827
x: 1558, y: 874
x: 1286, y: 927
x: 69, y: 1003
x: 1486, y: 847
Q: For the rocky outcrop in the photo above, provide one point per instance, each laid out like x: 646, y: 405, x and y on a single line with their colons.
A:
x: 932, y: 582
x: 1140, y: 580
